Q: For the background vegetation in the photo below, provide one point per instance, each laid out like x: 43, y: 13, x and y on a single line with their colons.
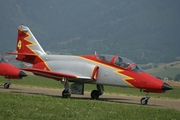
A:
x: 144, y: 31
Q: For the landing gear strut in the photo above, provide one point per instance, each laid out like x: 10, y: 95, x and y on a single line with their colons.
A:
x: 66, y: 93
x: 7, y: 84
x: 96, y: 93
x: 144, y: 100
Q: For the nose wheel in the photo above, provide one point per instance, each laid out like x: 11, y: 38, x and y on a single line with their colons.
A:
x: 144, y: 100
x: 7, y: 84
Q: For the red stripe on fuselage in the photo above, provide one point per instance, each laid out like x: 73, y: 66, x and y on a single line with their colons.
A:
x: 136, y: 79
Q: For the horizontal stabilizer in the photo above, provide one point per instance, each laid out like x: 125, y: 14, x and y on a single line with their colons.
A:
x: 26, y: 54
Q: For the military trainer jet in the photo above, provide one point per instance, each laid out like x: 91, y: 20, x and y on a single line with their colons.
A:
x: 98, y: 69
x: 9, y: 71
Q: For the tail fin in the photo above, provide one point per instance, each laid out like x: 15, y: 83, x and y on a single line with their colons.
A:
x: 28, y: 49
x: 26, y: 42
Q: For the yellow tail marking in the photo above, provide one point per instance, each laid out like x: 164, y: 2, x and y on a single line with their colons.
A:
x: 19, y: 44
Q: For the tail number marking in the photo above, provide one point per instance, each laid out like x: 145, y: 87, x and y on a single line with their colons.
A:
x: 19, y: 44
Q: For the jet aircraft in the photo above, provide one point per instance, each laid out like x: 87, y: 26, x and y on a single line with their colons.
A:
x: 98, y: 69
x: 9, y: 71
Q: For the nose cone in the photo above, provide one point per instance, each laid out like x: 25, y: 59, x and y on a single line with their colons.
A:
x: 165, y: 87
x: 22, y: 74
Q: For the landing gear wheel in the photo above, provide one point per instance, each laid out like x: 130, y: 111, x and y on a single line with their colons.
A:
x: 6, y: 85
x: 66, y: 94
x: 95, y: 94
x: 144, y: 101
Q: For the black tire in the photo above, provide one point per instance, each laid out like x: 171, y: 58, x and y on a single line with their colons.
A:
x: 6, y: 85
x: 95, y: 94
x: 66, y: 94
x: 144, y: 101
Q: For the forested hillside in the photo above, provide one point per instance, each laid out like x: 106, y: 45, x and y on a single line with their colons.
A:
x: 144, y: 31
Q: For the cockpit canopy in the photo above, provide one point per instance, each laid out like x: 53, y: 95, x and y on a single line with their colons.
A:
x: 120, y: 61
x: 123, y: 62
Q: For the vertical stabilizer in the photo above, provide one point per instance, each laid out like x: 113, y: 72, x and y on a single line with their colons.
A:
x: 27, y: 47
x: 26, y: 42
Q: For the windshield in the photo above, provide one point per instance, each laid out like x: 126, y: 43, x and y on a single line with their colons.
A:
x: 136, y: 68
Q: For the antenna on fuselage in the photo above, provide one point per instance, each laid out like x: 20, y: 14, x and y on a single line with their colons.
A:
x: 95, y: 53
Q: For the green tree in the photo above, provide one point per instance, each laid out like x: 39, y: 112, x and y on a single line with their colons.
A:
x: 165, y: 67
x: 177, y: 77
x: 155, y: 65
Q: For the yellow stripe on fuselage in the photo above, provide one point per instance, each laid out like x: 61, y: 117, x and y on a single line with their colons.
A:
x: 116, y: 70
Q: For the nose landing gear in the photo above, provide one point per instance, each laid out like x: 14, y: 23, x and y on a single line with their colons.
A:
x: 7, y: 84
x: 144, y: 100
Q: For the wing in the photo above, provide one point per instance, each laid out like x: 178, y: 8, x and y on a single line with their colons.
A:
x: 55, y: 75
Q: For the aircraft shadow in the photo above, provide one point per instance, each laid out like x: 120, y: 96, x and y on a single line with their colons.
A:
x: 2, y: 87
x: 32, y: 93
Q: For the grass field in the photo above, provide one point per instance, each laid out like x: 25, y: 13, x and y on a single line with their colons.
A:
x: 37, y: 107
x: 22, y: 106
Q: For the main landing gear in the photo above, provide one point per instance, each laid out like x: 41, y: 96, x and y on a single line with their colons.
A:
x: 66, y: 93
x: 144, y: 100
x: 7, y: 84
x: 96, y: 93
x: 78, y: 88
